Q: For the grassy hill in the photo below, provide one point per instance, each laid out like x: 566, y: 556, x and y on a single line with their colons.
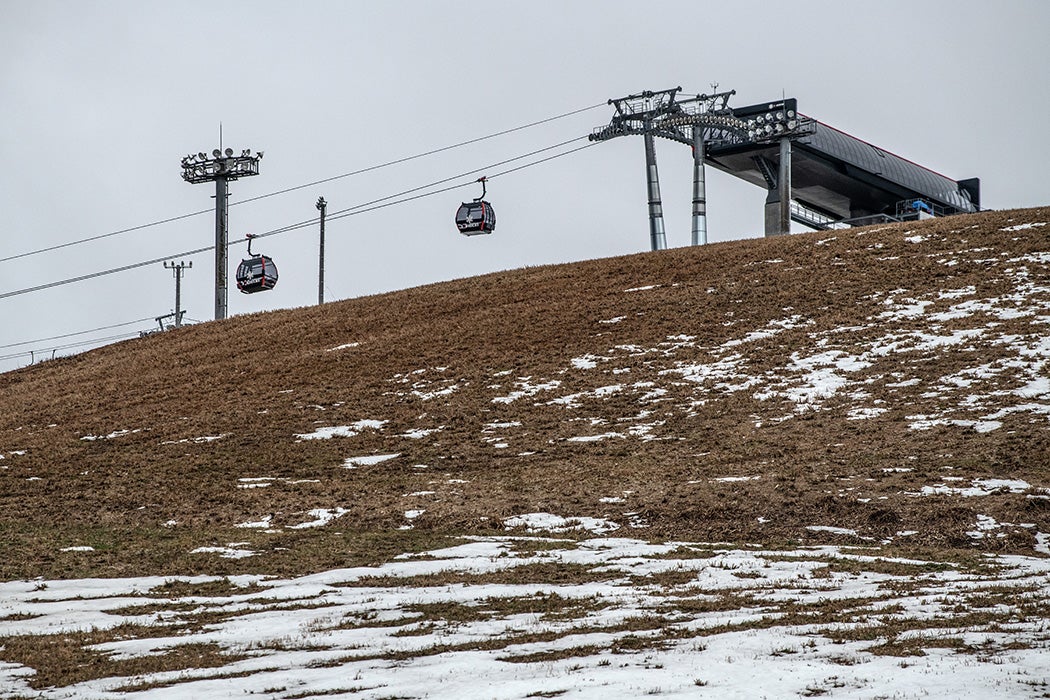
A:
x: 883, y: 391
x: 741, y: 391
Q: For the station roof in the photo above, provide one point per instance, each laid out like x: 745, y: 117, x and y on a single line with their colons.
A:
x: 844, y: 177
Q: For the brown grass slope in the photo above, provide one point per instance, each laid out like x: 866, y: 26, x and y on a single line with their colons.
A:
x: 701, y: 364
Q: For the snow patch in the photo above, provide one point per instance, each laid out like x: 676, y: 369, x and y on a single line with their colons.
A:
x: 547, y: 522
x: 367, y: 460
x: 585, y: 362
x: 321, y: 517
x: 342, y: 430
x: 232, y: 551
x: 833, y: 530
x: 1022, y: 227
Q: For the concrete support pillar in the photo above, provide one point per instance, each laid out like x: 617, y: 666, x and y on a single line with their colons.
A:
x: 656, y: 212
x: 778, y: 201
x: 699, y: 189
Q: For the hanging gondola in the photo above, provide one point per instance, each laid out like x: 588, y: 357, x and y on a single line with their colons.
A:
x: 476, y: 217
x: 257, y: 273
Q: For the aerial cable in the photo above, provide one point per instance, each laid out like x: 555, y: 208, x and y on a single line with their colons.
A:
x: 355, y: 211
x: 542, y: 160
x: 105, y: 235
x: 421, y: 155
x: 456, y: 177
x: 123, y: 268
x: 70, y: 335
x: 359, y: 209
x: 92, y: 341
x: 304, y: 186
x: 369, y: 206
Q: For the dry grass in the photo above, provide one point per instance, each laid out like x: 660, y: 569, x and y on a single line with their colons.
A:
x: 67, y: 658
x: 146, y: 498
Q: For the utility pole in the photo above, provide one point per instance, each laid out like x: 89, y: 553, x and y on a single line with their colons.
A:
x: 177, y: 271
x: 222, y: 167
x: 322, y: 206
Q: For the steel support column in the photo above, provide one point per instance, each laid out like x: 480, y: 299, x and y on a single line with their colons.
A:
x: 699, y: 189
x: 656, y: 212
x: 221, y: 246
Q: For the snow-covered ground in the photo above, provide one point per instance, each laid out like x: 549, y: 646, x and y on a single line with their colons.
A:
x: 481, y: 619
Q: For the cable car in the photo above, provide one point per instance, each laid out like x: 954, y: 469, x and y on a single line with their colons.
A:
x: 257, y: 273
x: 477, y: 217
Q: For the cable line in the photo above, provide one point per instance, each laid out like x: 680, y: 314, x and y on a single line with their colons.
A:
x: 422, y: 155
x: 103, y: 341
x: 70, y: 335
x: 455, y: 187
x: 454, y: 177
x: 368, y: 206
x: 353, y: 211
x: 542, y: 160
x: 105, y: 235
x: 304, y: 186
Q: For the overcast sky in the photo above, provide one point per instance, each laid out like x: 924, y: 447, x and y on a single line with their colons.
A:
x: 101, y: 100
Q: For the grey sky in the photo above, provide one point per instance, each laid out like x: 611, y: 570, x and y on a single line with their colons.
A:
x: 100, y: 101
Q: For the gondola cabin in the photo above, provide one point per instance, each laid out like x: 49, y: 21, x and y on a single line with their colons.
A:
x: 475, y: 218
x: 257, y: 273
x: 478, y: 216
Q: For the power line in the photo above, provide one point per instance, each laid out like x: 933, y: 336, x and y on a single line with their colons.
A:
x: 304, y: 186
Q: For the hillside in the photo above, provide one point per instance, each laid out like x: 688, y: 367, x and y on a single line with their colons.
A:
x: 845, y: 370
x: 885, y: 388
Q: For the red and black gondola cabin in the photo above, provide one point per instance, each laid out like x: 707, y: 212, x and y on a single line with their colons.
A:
x: 475, y: 217
x: 257, y: 273
x: 478, y: 216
